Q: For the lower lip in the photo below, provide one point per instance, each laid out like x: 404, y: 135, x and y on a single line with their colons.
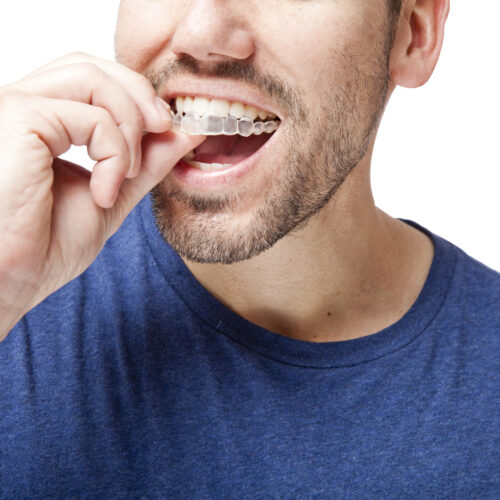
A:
x: 207, y: 179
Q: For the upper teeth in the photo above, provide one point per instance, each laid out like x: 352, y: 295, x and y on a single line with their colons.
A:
x: 220, y: 107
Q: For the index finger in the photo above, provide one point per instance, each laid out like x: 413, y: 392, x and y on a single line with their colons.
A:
x: 138, y: 86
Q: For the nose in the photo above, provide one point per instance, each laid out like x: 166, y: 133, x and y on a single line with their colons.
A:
x: 213, y: 31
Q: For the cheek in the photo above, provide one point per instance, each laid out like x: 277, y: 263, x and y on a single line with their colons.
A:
x: 315, y: 57
x: 141, y: 33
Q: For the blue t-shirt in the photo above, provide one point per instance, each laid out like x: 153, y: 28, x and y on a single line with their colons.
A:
x: 132, y: 381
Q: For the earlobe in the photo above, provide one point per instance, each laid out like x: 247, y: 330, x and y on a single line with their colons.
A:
x: 418, y: 41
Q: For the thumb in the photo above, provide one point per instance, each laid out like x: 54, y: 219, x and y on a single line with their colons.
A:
x: 160, y: 153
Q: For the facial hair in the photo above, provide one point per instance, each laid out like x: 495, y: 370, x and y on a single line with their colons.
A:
x: 322, y: 147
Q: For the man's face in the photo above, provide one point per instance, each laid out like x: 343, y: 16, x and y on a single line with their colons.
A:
x: 319, y: 65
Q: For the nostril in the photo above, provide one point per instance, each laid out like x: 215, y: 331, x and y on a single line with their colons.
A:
x: 211, y: 32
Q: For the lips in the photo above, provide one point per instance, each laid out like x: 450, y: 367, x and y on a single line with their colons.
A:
x: 234, y: 131
x: 216, y: 88
x: 222, y: 158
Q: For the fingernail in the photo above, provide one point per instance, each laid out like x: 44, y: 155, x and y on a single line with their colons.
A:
x: 163, y: 109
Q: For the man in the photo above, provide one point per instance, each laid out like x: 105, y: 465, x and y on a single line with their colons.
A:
x: 256, y: 327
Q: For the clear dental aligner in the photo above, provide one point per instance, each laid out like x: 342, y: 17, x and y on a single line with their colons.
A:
x: 201, y: 116
x: 193, y: 124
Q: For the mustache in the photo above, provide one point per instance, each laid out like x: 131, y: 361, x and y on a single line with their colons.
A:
x: 241, y: 71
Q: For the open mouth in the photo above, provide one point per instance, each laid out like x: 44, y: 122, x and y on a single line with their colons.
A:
x: 234, y: 131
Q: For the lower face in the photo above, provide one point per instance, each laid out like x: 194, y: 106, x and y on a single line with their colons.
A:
x: 331, y: 99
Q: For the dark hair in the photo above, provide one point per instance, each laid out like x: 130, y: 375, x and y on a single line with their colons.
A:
x: 393, y: 11
x: 394, y: 8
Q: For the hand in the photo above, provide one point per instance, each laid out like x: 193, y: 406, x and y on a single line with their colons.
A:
x: 54, y: 215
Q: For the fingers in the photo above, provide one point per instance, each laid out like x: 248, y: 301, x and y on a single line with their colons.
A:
x: 87, y: 83
x: 128, y: 106
x: 138, y: 86
x: 60, y: 123
x: 161, y: 153
x: 105, y: 144
x: 56, y: 216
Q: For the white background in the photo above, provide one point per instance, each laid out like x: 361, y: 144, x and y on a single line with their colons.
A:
x: 436, y: 157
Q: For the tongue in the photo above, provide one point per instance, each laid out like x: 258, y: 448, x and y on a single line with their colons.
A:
x: 228, y: 149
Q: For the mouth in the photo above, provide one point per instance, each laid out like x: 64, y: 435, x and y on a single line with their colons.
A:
x: 236, y: 132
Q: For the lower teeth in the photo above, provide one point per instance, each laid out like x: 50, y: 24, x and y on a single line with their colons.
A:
x: 208, y: 166
x: 193, y: 124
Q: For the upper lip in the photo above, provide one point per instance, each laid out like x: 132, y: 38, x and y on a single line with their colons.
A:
x: 219, y: 89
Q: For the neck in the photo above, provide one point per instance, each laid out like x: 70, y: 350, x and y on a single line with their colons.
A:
x: 350, y: 272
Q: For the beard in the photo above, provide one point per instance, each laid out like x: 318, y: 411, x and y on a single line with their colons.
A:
x: 321, y: 149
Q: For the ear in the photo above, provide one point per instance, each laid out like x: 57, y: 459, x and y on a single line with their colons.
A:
x: 418, y: 41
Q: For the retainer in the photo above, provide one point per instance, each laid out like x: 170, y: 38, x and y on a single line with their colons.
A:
x: 209, y: 124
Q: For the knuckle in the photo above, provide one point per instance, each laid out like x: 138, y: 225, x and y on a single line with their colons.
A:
x: 78, y: 56
x: 110, y: 129
x: 86, y: 70
x: 136, y: 123
x: 104, y: 116
x: 71, y: 58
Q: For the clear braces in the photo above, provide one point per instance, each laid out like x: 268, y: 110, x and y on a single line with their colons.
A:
x: 193, y: 124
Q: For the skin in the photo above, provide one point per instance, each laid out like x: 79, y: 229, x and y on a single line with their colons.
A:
x: 334, y: 266
x: 55, y: 216
x: 348, y: 269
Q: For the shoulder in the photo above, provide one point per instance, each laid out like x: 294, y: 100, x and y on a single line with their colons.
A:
x: 468, y: 293
x: 468, y: 290
x: 470, y: 316
x: 477, y: 286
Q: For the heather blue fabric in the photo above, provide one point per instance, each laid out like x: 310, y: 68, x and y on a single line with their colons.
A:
x: 134, y: 382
